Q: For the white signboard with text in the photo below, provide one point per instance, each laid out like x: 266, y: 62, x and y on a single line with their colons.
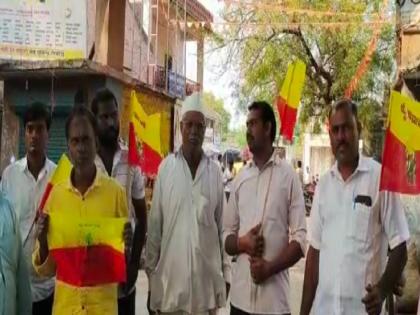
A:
x: 43, y: 29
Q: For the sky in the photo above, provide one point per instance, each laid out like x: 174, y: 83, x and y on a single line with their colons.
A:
x: 213, y: 82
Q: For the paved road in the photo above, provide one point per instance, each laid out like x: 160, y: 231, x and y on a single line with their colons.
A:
x: 296, y: 283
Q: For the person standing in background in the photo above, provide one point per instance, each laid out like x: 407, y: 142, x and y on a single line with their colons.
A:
x: 24, y: 182
x: 112, y: 159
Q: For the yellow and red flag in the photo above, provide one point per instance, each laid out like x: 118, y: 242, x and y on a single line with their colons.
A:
x: 289, y: 98
x: 144, y: 139
x: 401, y: 155
x: 87, y: 251
x: 61, y: 173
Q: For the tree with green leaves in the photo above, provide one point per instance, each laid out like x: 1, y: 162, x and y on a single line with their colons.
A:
x: 330, y: 36
x: 217, y: 105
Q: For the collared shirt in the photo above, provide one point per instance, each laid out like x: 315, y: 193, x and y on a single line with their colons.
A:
x: 352, y: 237
x: 283, y: 221
x: 25, y: 193
x: 131, y: 178
x: 121, y: 171
x: 105, y: 198
x: 184, y: 250
x: 15, y: 289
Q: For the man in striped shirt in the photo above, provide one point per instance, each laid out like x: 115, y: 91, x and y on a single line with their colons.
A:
x: 112, y: 159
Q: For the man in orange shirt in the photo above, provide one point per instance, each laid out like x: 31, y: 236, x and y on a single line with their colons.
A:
x: 87, y: 193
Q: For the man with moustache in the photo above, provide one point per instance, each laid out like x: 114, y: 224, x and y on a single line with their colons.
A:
x: 112, y: 159
x: 352, y: 226
x: 24, y: 182
x: 88, y: 193
x: 264, y: 223
x: 184, y: 251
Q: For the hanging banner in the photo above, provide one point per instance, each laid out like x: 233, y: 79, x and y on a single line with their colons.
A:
x: 43, y: 29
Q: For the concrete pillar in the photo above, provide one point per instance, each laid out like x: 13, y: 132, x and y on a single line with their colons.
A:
x: 109, y: 35
x: 9, y: 135
x: 200, y: 62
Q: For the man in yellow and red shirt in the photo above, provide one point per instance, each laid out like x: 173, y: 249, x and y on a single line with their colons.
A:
x: 86, y: 194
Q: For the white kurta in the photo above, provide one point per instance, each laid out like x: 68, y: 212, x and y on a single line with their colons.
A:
x: 184, y: 250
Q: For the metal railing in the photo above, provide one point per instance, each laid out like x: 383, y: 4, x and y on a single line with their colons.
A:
x: 171, y: 82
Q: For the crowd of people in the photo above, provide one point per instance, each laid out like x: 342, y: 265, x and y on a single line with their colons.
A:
x: 199, y: 217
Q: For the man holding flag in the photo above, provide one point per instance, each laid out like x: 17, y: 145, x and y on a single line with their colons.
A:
x: 87, y: 271
x: 184, y: 251
x: 24, y: 183
x: 352, y: 226
x: 112, y: 159
x: 264, y: 223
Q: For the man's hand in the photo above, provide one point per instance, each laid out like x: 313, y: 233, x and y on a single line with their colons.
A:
x: 42, y: 233
x: 42, y: 229
x: 373, y: 300
x: 132, y: 273
x: 252, y: 243
x: 399, y: 287
x: 128, y: 235
x: 260, y: 269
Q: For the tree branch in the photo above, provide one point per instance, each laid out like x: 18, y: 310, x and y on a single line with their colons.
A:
x: 319, y: 69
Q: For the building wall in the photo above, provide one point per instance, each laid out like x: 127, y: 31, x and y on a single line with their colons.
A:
x: 91, y: 16
x: 136, y: 43
x: 175, y: 46
x: 9, y: 135
x: 317, y: 155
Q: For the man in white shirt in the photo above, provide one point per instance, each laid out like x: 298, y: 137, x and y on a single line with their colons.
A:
x: 15, y: 287
x: 299, y: 171
x: 220, y: 163
x: 351, y: 227
x: 23, y: 183
x: 184, y: 251
x: 264, y: 223
x: 112, y: 159
x: 228, y: 176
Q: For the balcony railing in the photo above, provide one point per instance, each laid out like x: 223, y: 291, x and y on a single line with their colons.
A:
x: 174, y: 84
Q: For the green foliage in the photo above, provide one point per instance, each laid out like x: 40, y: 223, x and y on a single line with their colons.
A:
x: 237, y: 138
x: 263, y: 41
x: 217, y: 105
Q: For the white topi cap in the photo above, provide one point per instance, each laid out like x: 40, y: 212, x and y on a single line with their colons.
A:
x: 193, y: 103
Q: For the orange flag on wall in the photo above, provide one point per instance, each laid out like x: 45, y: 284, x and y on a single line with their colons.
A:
x: 144, y: 140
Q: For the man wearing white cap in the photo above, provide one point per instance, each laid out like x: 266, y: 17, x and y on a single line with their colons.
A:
x: 184, y: 251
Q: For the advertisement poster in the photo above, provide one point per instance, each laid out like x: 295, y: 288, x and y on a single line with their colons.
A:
x: 43, y: 29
